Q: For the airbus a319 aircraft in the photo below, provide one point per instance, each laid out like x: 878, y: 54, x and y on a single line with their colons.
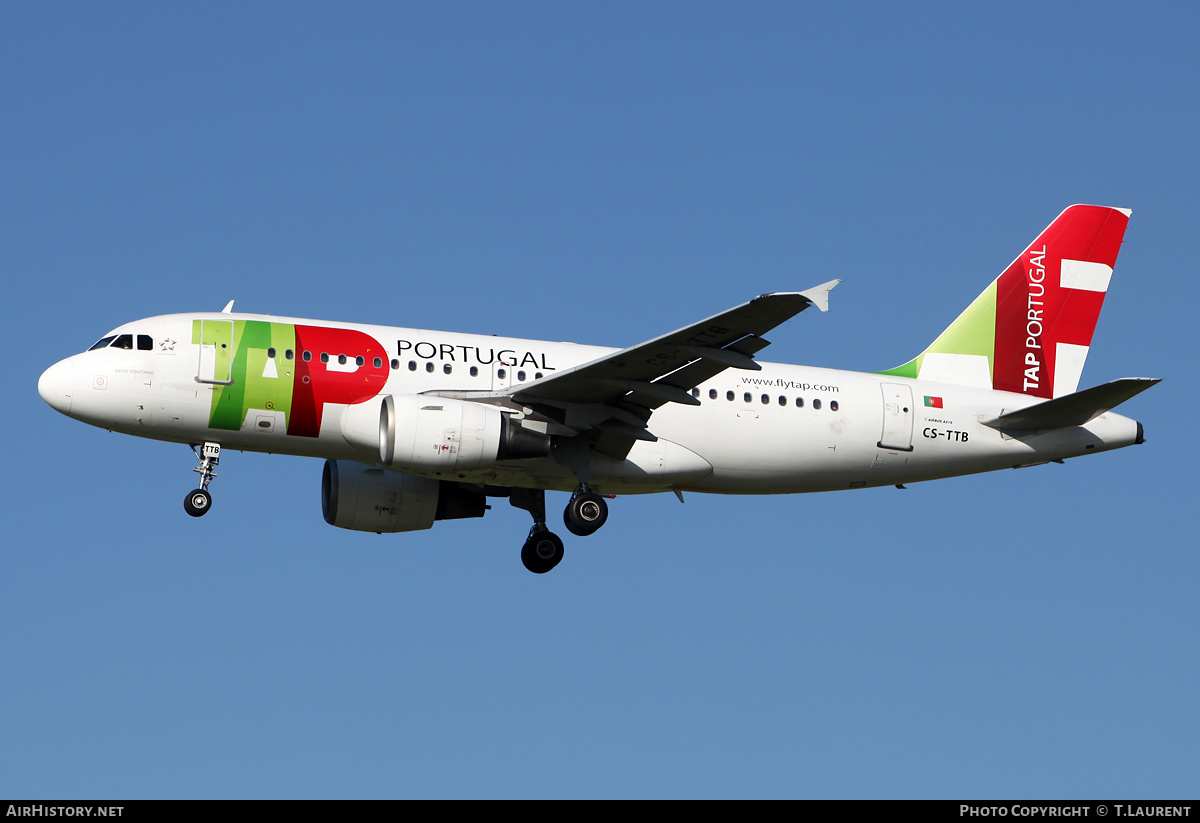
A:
x: 418, y: 426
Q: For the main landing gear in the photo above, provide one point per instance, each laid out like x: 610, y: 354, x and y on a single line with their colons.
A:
x: 543, y: 549
x: 586, y: 512
x: 199, y: 501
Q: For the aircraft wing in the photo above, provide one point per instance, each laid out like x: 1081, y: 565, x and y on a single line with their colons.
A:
x: 618, y: 393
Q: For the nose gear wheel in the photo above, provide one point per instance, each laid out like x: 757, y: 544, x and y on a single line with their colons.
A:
x: 199, y: 501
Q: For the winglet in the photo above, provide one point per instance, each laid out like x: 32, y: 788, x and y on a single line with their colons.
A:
x: 819, y: 295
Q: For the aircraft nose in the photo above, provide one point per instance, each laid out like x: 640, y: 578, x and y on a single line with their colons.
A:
x: 57, y: 384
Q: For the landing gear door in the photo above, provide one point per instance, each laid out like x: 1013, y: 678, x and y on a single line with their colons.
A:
x: 897, y: 417
x: 216, y: 352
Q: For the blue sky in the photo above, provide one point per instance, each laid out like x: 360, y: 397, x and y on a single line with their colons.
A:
x: 600, y: 173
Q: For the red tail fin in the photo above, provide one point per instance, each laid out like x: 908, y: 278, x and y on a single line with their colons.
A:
x: 1030, y: 330
x: 1048, y: 301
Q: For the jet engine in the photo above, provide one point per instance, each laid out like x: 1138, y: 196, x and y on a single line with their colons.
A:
x: 430, y: 434
x: 364, y: 498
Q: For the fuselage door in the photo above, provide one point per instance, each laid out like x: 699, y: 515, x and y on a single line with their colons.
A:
x: 216, y: 352
x: 897, y: 417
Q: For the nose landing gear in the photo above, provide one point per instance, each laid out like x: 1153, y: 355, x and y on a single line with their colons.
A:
x: 199, y: 501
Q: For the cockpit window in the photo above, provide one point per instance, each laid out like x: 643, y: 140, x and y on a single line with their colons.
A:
x: 145, y: 342
x: 124, y: 341
x: 103, y: 342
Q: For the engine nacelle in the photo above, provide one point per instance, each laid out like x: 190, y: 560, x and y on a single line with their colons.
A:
x: 438, y: 434
x: 368, y: 499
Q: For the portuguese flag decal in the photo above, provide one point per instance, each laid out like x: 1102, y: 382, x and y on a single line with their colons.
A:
x: 933, y: 402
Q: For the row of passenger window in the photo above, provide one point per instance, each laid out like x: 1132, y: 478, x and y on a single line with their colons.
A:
x: 325, y: 357
x: 146, y: 343
x: 448, y: 368
x: 765, y: 399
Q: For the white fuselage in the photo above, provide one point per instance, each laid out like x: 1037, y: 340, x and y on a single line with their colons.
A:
x: 781, y: 429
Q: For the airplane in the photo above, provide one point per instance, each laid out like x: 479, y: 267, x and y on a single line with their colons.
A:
x: 418, y: 426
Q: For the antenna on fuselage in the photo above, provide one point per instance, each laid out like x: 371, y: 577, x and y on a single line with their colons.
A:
x: 228, y: 308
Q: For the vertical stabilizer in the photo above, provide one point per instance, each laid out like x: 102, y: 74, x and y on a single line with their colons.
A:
x: 1030, y: 330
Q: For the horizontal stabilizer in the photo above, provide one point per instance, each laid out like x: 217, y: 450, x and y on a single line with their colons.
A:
x: 1073, y: 409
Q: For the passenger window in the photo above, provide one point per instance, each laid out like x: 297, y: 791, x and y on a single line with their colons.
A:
x: 271, y: 353
x: 358, y: 361
x: 501, y: 373
x: 103, y: 342
x: 766, y: 398
x: 474, y: 371
x: 729, y: 396
x: 341, y: 359
x: 289, y: 354
x: 447, y: 368
x: 799, y: 402
x: 145, y: 342
x: 377, y: 362
x: 429, y: 367
x: 747, y: 398
x: 324, y: 357
x: 521, y: 376
x: 782, y: 400
x: 125, y: 341
x: 833, y: 405
x: 395, y: 364
x: 412, y: 365
x: 306, y: 356
x: 695, y: 392
x: 537, y: 376
x: 712, y: 394
x: 816, y: 404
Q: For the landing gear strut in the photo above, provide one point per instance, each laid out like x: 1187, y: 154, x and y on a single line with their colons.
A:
x: 543, y: 549
x: 199, y: 501
x: 586, y: 512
